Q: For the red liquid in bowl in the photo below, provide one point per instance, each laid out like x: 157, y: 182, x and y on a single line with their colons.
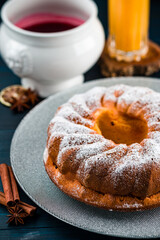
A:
x: 48, y: 23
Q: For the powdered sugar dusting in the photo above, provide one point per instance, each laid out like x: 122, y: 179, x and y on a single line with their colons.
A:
x: 106, y: 158
x: 89, y: 150
x: 66, y: 111
x: 130, y: 161
x: 113, y: 93
x: 132, y: 205
x: 45, y: 155
x: 155, y: 135
x: 130, y: 96
x: 62, y: 125
x: 79, y: 105
x: 150, y: 98
x: 94, y: 97
x: 79, y: 139
x: 73, y: 120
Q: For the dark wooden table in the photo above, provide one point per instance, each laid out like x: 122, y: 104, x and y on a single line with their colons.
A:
x: 44, y: 226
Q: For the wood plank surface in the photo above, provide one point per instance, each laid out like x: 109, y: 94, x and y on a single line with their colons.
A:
x: 43, y: 225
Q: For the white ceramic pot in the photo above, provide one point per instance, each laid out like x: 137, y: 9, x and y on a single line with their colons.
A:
x: 49, y: 62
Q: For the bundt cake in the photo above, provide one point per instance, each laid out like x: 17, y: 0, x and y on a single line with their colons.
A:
x: 103, y: 148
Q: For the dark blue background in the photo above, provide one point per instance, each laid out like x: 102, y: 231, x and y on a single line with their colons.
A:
x: 44, y: 226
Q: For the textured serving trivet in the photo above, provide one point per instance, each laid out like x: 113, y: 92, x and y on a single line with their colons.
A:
x: 32, y: 134
x: 110, y: 67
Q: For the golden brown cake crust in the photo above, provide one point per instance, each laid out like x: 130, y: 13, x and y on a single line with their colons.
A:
x: 73, y: 188
x: 113, y: 164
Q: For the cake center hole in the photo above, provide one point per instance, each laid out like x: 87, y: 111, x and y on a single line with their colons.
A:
x: 121, y: 128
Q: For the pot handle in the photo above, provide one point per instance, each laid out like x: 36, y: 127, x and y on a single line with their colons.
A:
x: 19, y: 61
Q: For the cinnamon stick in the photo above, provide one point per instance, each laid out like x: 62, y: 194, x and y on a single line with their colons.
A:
x: 2, y: 199
x: 26, y: 207
x: 14, y: 185
x: 11, y: 196
x: 6, y: 183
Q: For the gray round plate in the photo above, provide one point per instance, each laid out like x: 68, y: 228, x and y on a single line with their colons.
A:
x: 27, y: 161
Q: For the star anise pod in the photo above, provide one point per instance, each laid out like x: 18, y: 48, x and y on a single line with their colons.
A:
x: 20, y: 104
x: 17, y: 215
x: 32, y: 96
